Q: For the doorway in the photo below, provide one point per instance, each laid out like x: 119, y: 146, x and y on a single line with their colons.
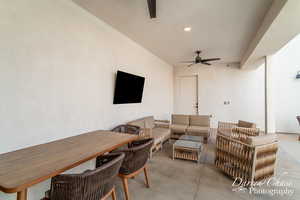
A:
x: 186, y: 95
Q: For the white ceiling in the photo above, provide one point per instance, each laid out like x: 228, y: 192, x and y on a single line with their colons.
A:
x: 220, y: 28
x: 280, y: 25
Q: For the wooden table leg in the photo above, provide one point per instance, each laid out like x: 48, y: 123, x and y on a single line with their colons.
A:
x: 22, y: 195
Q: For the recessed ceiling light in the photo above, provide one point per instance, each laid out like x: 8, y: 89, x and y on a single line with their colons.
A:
x: 187, y: 29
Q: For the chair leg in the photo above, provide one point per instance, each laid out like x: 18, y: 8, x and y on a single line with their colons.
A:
x: 205, y: 140
x: 146, y: 177
x: 125, y: 185
x: 22, y: 195
x: 151, y: 152
x: 113, y: 194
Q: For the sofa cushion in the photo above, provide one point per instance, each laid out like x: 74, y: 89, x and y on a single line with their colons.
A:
x: 200, y: 120
x: 180, y: 119
x: 260, y: 140
x: 162, y: 123
x: 149, y: 122
x: 245, y: 124
x: 178, y: 128
x: 160, y: 133
x: 198, y: 129
x: 140, y: 123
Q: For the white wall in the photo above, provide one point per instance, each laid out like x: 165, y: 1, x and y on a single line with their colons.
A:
x: 57, y: 68
x: 286, y: 95
x: 244, y: 89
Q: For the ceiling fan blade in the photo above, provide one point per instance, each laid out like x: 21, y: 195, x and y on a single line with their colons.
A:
x: 210, y: 59
x: 187, y: 62
x: 205, y: 63
x: 190, y: 65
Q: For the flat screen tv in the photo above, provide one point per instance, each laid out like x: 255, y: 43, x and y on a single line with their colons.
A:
x: 129, y: 88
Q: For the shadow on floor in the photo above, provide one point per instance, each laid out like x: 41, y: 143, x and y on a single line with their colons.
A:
x: 187, y: 180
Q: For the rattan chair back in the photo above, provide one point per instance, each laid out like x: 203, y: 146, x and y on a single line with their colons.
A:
x: 130, y: 129
x: 136, y: 156
x: 90, y: 185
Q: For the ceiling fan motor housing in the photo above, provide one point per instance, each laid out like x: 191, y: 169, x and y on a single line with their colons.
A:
x: 198, y: 58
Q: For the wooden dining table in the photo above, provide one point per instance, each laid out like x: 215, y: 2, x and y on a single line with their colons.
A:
x: 24, y: 168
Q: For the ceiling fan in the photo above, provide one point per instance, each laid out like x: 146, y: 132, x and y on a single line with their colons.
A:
x: 198, y: 59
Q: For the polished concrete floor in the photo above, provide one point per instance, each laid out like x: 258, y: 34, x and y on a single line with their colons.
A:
x: 185, y: 180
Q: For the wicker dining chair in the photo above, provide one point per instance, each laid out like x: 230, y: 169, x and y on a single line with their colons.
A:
x: 135, y: 161
x: 97, y: 184
x: 125, y: 128
x: 129, y: 129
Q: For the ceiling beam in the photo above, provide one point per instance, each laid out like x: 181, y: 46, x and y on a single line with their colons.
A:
x: 280, y: 25
x: 152, y: 8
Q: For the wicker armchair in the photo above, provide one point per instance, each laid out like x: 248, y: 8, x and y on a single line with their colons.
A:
x: 135, y: 161
x: 243, y: 153
x: 97, y: 184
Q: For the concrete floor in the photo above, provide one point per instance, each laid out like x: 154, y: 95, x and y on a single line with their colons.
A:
x: 185, y: 180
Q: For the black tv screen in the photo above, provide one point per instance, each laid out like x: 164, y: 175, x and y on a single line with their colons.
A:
x: 129, y: 88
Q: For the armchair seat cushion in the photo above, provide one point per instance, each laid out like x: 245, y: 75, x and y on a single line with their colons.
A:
x: 200, y: 130
x: 178, y: 128
x: 160, y: 134
x: 261, y: 140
